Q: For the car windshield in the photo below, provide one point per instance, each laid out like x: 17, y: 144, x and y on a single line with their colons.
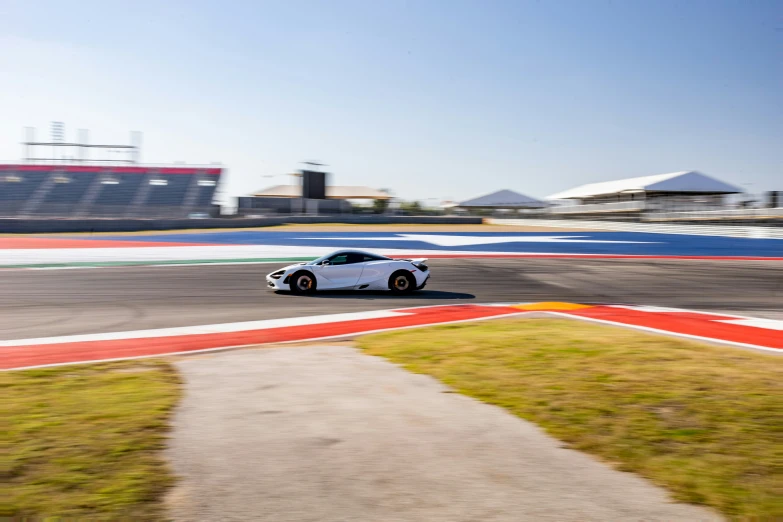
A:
x: 367, y: 257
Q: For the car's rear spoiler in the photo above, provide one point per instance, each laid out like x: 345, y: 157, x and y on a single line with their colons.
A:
x: 416, y: 261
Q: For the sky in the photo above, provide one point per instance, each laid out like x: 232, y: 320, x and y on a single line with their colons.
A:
x: 433, y: 99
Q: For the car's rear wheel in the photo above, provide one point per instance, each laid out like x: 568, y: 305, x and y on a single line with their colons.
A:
x: 302, y: 283
x: 402, y: 282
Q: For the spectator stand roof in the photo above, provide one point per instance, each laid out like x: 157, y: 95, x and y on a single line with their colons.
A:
x: 675, y: 182
x: 503, y: 199
x: 332, y: 192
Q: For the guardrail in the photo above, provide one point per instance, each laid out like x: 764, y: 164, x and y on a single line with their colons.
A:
x: 659, y: 228
x: 619, y: 206
x: 739, y: 213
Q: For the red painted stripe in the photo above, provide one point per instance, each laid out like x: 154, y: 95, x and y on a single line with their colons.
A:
x: 701, y: 325
x: 8, y: 243
x: 35, y: 355
x: 687, y: 323
x: 585, y: 256
x: 114, y: 169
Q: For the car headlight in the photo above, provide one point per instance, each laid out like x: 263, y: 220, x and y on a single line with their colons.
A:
x: 277, y: 275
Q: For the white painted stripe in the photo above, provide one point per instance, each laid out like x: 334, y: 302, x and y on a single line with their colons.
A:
x: 308, y: 340
x: 251, y: 325
x: 666, y: 309
x: 668, y: 332
x: 209, y: 328
x: 549, y: 281
x: 768, y: 324
x: 343, y: 336
x: 652, y: 309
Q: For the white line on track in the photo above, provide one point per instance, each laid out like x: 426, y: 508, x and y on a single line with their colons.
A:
x: 309, y: 340
x: 643, y: 308
x: 549, y: 281
x: 668, y: 332
x: 209, y: 328
x: 767, y: 324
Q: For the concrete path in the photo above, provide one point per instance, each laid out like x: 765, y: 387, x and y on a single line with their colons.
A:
x: 329, y: 434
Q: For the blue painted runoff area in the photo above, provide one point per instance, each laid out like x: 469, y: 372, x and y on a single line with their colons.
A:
x: 609, y: 243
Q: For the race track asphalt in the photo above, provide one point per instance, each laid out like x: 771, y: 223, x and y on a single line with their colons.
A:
x: 66, y: 302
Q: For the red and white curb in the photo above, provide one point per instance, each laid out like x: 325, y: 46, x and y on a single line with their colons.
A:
x: 761, y: 334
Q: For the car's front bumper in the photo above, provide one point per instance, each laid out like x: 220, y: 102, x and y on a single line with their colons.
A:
x: 277, y: 284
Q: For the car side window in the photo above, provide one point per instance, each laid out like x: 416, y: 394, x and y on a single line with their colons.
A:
x: 356, y: 258
x: 366, y: 258
x: 340, y: 259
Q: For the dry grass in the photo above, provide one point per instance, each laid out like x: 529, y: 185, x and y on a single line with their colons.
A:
x: 701, y: 420
x: 84, y: 441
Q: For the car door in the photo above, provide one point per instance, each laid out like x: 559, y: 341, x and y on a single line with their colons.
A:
x: 375, y: 274
x: 343, y: 271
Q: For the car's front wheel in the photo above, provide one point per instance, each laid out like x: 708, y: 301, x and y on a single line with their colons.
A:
x: 402, y: 282
x: 302, y: 283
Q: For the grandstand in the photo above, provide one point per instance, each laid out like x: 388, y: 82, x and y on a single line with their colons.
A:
x: 77, y: 191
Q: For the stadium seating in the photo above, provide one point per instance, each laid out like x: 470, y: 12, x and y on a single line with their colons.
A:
x: 168, y: 190
x: 115, y: 194
x: 67, y: 190
x: 16, y: 188
x: 75, y: 191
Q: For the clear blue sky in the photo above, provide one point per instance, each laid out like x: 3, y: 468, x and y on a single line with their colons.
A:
x: 433, y: 99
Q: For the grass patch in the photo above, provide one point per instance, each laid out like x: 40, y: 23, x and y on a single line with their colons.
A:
x: 84, y: 441
x: 703, y: 421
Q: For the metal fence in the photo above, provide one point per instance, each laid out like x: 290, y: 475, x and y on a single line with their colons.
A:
x: 729, y: 230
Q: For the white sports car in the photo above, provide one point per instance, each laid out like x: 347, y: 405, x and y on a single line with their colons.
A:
x: 351, y: 270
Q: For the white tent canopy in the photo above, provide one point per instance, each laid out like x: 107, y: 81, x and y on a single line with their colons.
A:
x: 504, y: 199
x: 686, y: 181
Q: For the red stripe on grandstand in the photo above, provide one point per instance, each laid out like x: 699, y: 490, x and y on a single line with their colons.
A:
x: 112, y: 169
x: 47, y: 354
x: 36, y: 243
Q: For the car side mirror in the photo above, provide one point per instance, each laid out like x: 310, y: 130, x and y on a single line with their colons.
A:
x: 325, y: 262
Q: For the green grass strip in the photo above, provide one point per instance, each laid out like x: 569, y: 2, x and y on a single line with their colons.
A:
x: 84, y: 442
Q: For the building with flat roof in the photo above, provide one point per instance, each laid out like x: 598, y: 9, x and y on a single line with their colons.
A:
x: 332, y: 192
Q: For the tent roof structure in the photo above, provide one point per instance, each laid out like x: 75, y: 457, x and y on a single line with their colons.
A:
x: 686, y: 181
x: 503, y: 199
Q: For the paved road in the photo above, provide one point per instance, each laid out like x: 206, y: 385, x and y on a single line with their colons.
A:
x: 65, y: 302
x: 326, y: 434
